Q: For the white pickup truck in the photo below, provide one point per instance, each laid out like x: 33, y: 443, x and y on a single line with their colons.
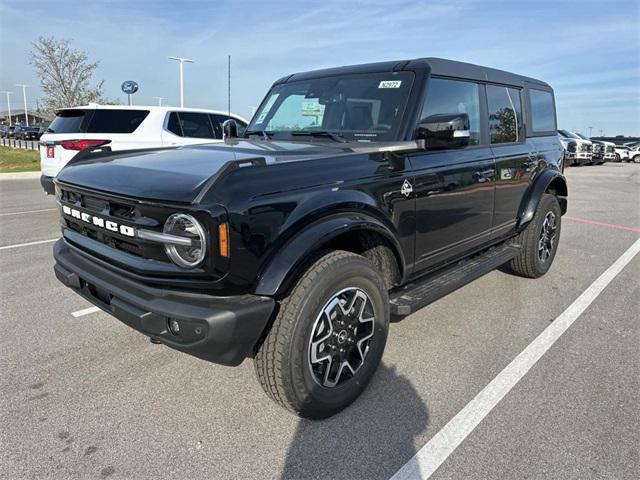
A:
x: 584, y: 151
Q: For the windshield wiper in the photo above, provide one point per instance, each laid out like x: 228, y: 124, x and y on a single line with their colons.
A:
x: 263, y: 133
x: 320, y: 133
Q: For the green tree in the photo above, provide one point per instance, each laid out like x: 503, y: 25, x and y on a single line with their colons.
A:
x: 503, y: 125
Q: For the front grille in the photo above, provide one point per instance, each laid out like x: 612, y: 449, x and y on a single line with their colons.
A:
x: 119, y: 211
x: 610, y: 149
x: 572, y: 147
x: 585, y: 147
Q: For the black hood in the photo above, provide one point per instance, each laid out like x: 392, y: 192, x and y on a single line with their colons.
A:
x: 179, y: 174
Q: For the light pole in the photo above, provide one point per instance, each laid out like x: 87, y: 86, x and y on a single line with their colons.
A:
x: 590, y: 129
x: 182, y: 62
x: 8, y: 104
x: 159, y: 100
x: 24, y: 97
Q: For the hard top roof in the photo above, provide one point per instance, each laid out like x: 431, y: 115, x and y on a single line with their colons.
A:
x: 438, y: 66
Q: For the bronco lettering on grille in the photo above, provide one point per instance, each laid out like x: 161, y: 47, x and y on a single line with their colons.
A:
x: 99, y: 222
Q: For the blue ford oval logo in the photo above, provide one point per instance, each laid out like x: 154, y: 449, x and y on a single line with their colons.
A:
x: 129, y: 87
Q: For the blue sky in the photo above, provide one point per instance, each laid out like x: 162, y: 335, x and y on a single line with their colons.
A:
x: 589, y: 51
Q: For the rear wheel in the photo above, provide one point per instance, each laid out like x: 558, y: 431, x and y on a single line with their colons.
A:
x: 539, y: 241
x: 328, y: 337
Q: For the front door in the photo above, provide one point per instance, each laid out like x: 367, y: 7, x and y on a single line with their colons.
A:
x: 454, y: 189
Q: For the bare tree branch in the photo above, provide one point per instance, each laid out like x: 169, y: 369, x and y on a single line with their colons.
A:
x: 65, y: 74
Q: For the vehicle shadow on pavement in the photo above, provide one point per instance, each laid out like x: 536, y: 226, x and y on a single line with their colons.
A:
x: 371, y: 439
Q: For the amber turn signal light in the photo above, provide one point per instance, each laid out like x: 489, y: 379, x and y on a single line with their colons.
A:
x: 223, y: 239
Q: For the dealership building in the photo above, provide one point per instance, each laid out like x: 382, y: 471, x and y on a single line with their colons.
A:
x: 17, y: 116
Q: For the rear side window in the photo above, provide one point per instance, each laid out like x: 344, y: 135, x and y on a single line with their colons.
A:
x: 542, y: 111
x: 67, y: 121
x: 505, y: 114
x: 451, y: 97
x: 116, y: 121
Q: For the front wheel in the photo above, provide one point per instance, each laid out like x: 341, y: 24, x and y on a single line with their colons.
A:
x: 617, y: 157
x: 328, y: 337
x: 539, y: 240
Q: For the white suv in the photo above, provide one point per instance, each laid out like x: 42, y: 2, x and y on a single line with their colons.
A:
x: 119, y: 127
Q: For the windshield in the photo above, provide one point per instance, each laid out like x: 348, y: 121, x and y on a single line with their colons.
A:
x: 363, y: 107
x: 567, y: 134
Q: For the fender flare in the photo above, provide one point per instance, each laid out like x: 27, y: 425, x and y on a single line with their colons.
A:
x: 287, y: 262
x: 529, y: 205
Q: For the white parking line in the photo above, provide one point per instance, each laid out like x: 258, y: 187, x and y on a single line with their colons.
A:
x: 18, y: 245
x: 429, y: 458
x: 28, y: 211
x: 86, y: 311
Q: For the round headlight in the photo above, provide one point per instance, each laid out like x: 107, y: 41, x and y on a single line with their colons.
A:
x: 192, y: 253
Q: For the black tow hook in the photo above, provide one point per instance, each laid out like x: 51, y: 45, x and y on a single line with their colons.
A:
x: 155, y: 341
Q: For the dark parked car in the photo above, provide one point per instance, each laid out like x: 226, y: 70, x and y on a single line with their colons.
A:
x: 28, y: 133
x: 7, y: 131
x: 355, y: 194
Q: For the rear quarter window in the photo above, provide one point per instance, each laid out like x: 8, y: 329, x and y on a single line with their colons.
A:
x: 542, y: 109
x: 116, y: 121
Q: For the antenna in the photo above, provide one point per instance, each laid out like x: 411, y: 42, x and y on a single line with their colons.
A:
x: 229, y: 85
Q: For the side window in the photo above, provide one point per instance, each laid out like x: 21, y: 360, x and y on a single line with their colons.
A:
x: 196, y: 125
x: 116, y: 121
x: 505, y: 114
x: 542, y: 111
x: 220, y: 119
x: 216, y: 121
x: 174, y: 124
x: 454, y: 96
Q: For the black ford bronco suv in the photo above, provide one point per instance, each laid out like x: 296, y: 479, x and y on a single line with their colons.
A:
x: 355, y: 194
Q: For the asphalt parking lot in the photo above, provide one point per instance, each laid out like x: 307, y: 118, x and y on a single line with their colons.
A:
x: 87, y: 397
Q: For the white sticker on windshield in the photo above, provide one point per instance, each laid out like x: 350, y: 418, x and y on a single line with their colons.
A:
x: 390, y: 84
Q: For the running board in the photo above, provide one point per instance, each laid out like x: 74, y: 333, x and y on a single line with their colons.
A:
x: 422, y: 292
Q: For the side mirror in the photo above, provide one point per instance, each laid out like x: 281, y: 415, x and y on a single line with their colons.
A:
x: 230, y: 129
x: 444, y: 131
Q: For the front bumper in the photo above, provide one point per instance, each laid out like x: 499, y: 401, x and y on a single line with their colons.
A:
x: 47, y: 184
x: 222, y: 330
x: 584, y: 157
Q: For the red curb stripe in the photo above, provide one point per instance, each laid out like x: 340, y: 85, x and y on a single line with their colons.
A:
x: 602, y: 224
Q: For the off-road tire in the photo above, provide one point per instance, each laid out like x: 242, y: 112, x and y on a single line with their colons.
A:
x: 281, y: 363
x: 528, y: 263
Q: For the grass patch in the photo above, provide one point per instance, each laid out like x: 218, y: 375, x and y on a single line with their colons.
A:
x: 18, y: 160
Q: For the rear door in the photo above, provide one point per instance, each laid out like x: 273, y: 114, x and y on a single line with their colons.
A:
x: 515, y: 162
x: 454, y: 188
